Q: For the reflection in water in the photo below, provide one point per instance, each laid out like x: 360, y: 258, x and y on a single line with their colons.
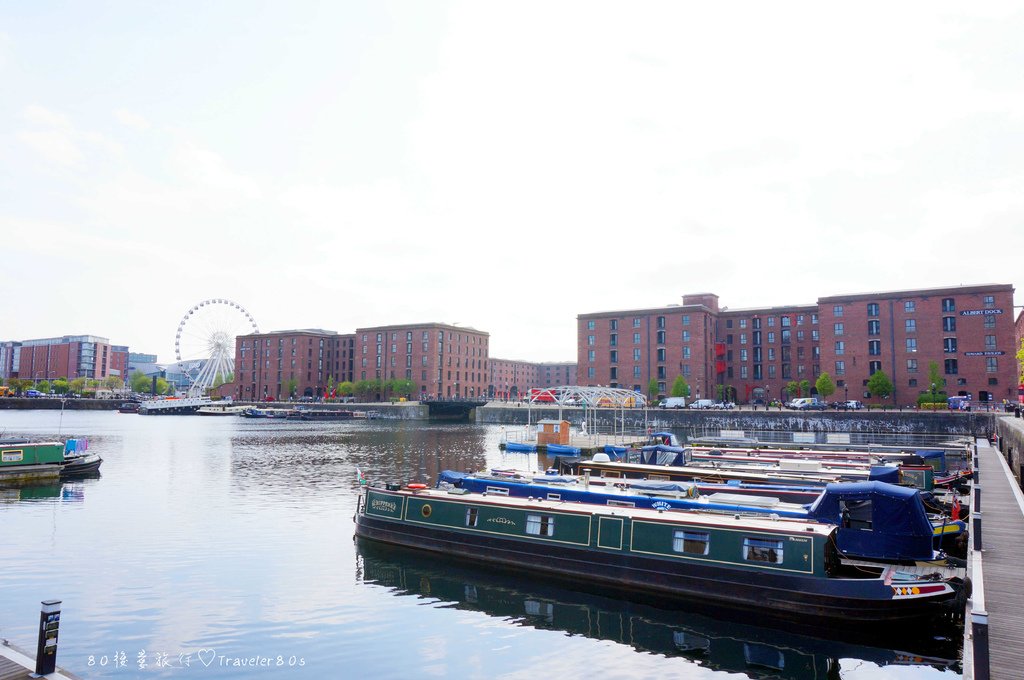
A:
x: 719, y: 644
x: 68, y: 492
x: 291, y: 456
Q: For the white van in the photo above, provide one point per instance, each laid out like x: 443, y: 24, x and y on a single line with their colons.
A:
x: 807, y: 404
x: 703, y: 403
x: 673, y: 402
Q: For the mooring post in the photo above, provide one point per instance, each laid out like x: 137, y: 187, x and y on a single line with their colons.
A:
x: 46, y: 648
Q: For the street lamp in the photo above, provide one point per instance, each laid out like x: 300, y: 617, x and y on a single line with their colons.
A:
x: 933, y: 396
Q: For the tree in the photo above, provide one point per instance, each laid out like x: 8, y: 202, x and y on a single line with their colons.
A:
x: 113, y: 383
x: 824, y: 385
x: 140, y: 382
x: 77, y: 385
x: 1020, y: 361
x: 20, y: 384
x: 879, y: 385
x: 346, y: 389
x: 60, y: 385
x: 43, y: 386
x: 330, y: 386
x: 805, y: 388
x: 680, y: 388
x: 720, y: 391
x: 792, y: 388
x: 652, y: 389
x: 292, y: 386
x: 162, y: 386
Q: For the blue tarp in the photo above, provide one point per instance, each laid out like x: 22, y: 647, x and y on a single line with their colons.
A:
x: 877, y: 520
x: 884, y: 473
x: 451, y: 477
x: 661, y: 454
x: 930, y: 456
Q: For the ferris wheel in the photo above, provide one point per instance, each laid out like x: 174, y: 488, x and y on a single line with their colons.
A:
x: 205, y: 342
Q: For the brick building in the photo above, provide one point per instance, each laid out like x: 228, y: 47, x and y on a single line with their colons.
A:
x: 442, y: 360
x: 511, y: 379
x: 70, y: 356
x: 755, y: 353
x: 266, y: 362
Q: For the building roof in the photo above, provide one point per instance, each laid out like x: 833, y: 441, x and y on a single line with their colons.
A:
x: 920, y: 292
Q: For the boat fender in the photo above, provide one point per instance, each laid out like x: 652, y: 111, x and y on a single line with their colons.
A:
x: 416, y: 486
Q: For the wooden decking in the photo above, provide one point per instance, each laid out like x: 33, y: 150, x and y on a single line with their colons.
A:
x: 16, y: 664
x: 1002, y: 507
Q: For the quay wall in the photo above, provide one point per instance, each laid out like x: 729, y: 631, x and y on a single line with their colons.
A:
x: 975, y: 424
x: 398, y: 411
x: 1011, y: 443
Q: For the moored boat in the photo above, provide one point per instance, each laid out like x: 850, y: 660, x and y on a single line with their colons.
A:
x: 320, y: 414
x: 173, y: 406
x: 788, y: 567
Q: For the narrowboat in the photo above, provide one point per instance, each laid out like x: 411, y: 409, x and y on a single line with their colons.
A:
x: 22, y: 461
x: 790, y: 568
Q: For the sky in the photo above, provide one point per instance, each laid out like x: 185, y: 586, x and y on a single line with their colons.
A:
x: 502, y: 166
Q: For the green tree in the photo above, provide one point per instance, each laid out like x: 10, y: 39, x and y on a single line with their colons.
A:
x: 330, y: 386
x: 652, y: 389
x: 292, y: 386
x: 879, y: 385
x: 77, y: 385
x: 826, y: 388
x: 805, y: 388
x: 720, y: 392
x: 43, y: 386
x: 140, y: 382
x: 346, y: 388
x: 365, y: 388
x: 792, y: 388
x: 680, y: 388
x: 60, y: 385
x: 1020, y: 361
x: 162, y: 386
x: 113, y: 383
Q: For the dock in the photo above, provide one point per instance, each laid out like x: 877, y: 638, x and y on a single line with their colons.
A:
x: 16, y: 664
x: 994, y: 624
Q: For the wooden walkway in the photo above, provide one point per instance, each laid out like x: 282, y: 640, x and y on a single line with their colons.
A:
x: 1002, y: 561
x: 16, y: 664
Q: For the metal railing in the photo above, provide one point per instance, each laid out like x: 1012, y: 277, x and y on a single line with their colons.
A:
x: 979, y: 641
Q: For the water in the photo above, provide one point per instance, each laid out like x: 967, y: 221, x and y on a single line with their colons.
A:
x: 222, y: 547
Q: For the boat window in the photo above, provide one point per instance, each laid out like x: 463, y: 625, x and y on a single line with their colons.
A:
x: 554, y: 496
x: 622, y: 504
x: 660, y: 478
x: 497, y: 490
x: 691, y: 542
x: 762, y: 550
x: 471, y: 514
x: 540, y: 525
x: 614, y: 475
x: 855, y: 514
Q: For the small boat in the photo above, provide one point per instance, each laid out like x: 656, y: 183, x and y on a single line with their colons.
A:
x: 129, y: 407
x: 253, y: 412
x: 217, y: 409
x: 790, y: 568
x: 521, y: 447
x: 320, y: 414
x: 563, y: 450
x: 78, y: 463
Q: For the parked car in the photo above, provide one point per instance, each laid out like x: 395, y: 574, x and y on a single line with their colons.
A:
x: 808, y: 404
x: 854, y: 404
x: 703, y: 403
x: 724, y: 405
x: 33, y: 393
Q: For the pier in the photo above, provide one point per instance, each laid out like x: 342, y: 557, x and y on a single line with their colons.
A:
x: 994, y: 624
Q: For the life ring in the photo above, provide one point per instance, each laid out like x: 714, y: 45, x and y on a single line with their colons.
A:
x: 416, y: 486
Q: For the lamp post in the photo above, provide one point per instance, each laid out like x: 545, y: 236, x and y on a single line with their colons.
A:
x: 933, y: 396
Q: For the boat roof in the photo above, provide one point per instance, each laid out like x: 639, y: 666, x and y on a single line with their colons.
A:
x: 680, y: 516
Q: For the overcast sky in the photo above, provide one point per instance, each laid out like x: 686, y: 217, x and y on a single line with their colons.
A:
x: 504, y: 166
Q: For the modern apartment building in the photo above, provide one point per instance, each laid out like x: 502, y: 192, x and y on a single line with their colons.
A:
x: 754, y: 353
x: 70, y: 356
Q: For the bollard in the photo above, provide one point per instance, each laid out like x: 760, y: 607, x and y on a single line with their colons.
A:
x: 977, y: 498
x: 46, y: 649
x: 979, y: 633
x: 976, y: 529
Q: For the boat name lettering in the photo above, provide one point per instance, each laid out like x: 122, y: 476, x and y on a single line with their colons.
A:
x: 387, y: 506
x: 13, y: 456
x: 799, y: 539
x: 502, y: 520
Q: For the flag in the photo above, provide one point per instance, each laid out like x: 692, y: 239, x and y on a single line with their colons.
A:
x: 359, y: 476
x: 955, y: 511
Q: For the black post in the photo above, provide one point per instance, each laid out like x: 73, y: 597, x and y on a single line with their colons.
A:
x: 977, y: 498
x: 976, y: 529
x: 46, y: 649
x: 979, y: 632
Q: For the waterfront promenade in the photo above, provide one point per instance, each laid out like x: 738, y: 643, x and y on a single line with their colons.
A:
x: 996, y: 609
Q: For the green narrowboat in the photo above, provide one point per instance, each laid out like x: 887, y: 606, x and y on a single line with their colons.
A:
x: 781, y: 567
